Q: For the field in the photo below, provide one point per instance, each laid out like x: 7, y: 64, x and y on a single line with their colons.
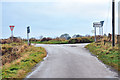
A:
x: 63, y: 41
x: 106, y: 53
x: 18, y: 59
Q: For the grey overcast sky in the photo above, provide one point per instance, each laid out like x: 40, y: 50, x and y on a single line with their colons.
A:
x: 51, y: 18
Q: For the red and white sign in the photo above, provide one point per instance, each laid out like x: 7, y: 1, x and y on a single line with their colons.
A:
x: 11, y: 27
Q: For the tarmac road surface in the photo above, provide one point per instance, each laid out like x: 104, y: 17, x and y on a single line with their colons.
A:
x: 70, y: 61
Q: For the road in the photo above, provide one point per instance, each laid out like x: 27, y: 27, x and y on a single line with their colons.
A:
x: 70, y: 61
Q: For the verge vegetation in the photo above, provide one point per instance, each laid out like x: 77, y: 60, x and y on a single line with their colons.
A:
x: 64, y: 41
x: 18, y: 59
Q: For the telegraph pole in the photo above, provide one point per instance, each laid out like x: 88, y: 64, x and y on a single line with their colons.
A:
x: 113, y: 23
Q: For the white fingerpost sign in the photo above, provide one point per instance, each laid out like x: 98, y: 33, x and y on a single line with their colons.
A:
x: 95, y: 25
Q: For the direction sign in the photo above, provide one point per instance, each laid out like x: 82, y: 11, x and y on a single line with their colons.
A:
x: 102, y: 22
x: 97, y: 24
x: 11, y: 27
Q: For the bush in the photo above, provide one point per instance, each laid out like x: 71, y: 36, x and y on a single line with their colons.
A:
x: 59, y: 39
x: 74, y: 40
x: 8, y: 41
x: 33, y: 39
x: 81, y: 40
x: 46, y: 39
x: 11, y: 52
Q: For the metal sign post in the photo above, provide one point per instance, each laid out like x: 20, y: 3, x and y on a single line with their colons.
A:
x: 28, y: 31
x: 12, y: 27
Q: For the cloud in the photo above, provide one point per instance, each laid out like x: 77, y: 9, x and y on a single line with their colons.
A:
x: 56, y: 15
x: 65, y: 1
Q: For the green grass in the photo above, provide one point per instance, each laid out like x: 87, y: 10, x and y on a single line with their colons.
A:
x: 52, y: 42
x: 70, y: 41
x: 19, y: 68
x: 106, y: 53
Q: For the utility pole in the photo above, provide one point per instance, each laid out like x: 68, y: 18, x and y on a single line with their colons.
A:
x: 113, y: 23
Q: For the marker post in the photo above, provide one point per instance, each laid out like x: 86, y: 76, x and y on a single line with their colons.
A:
x: 28, y: 31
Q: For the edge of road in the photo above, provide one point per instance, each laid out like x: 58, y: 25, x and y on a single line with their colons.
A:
x: 36, y: 66
x: 107, y: 66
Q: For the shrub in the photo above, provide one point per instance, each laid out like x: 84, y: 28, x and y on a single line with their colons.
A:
x: 46, y: 39
x: 11, y: 52
x: 81, y: 40
x: 85, y: 40
x: 75, y: 40
x: 8, y: 41
x: 59, y: 39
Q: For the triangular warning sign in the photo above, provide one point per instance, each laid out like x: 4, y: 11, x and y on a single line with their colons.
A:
x: 11, y: 27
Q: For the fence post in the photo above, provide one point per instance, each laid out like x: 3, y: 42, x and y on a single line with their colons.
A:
x: 118, y: 39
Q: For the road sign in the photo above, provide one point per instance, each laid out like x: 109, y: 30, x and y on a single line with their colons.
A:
x: 102, y: 22
x: 11, y: 27
x: 28, y: 29
x: 97, y: 24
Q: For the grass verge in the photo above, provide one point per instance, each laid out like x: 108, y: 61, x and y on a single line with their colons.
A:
x: 70, y: 41
x: 20, y: 67
x: 51, y: 42
x: 106, y: 53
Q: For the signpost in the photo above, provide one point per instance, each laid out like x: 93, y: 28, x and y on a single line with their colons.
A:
x: 28, y: 31
x: 96, y: 24
x: 100, y: 25
x: 12, y: 27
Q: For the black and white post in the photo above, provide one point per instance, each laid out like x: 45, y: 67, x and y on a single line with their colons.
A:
x: 95, y: 33
x: 113, y: 23
x: 28, y: 31
x: 12, y: 35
